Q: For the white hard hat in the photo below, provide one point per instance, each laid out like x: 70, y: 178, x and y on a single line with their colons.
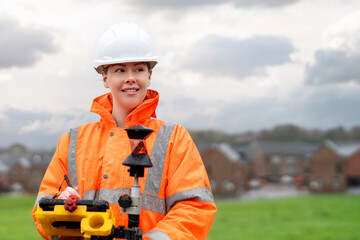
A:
x: 122, y: 43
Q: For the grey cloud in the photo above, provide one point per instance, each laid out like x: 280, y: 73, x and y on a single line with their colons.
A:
x: 320, y: 108
x: 38, y: 129
x: 333, y: 67
x: 21, y: 46
x: 311, y: 108
x: 331, y: 106
x: 217, y: 55
x: 179, y: 4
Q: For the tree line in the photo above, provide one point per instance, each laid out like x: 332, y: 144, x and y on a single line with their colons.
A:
x: 285, y: 132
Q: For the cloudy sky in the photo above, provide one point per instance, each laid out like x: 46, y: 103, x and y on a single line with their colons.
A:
x: 233, y: 65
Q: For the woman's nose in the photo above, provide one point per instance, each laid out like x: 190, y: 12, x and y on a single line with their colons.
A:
x: 130, y: 79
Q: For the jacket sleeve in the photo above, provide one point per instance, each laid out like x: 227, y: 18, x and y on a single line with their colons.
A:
x: 53, y: 177
x: 189, y: 200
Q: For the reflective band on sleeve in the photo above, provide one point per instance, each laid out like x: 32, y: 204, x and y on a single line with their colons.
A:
x: 45, y: 195
x: 157, y: 235
x: 153, y: 204
x: 158, y: 155
x: 201, y: 194
x: 72, y: 171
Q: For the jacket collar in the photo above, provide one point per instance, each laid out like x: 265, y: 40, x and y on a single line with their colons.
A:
x: 102, y: 105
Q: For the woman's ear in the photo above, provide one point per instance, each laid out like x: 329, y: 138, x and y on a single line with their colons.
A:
x: 150, y: 72
x: 104, y: 76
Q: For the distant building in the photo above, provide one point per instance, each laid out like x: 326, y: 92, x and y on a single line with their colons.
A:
x: 22, y: 169
x: 328, y: 168
x: 226, y: 169
x: 274, y: 160
x: 4, y: 178
x: 29, y: 170
x: 353, y: 166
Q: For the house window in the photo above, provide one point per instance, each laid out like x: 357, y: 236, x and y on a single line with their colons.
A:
x: 290, y: 170
x: 320, y: 182
x: 228, y: 186
x: 275, y: 160
x: 275, y: 169
x: 338, y: 168
x: 336, y: 183
x: 290, y: 160
x: 317, y: 184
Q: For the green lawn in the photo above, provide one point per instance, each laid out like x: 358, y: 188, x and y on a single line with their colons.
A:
x: 315, y: 217
x: 16, y: 221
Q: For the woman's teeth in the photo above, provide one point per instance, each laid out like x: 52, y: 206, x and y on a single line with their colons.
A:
x: 130, y: 90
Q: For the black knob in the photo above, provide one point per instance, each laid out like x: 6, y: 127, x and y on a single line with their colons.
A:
x: 125, y: 201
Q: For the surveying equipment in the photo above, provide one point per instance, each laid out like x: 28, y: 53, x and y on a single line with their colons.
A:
x: 93, y: 219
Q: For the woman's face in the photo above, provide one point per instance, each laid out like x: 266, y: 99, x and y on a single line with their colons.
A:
x: 128, y: 83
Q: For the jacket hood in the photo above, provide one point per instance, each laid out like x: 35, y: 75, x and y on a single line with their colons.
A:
x: 103, y: 106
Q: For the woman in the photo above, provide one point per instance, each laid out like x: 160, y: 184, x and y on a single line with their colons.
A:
x: 177, y: 202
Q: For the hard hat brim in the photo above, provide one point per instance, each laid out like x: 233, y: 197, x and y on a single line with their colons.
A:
x: 99, y: 65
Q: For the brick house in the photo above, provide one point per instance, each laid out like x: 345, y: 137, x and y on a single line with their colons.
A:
x: 4, y: 177
x: 274, y: 160
x: 226, y: 169
x: 328, y: 168
x: 7, y: 162
x: 353, y: 167
x: 29, y: 170
x: 22, y: 169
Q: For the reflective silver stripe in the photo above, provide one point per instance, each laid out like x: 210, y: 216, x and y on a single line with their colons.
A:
x: 201, y: 194
x: 157, y: 235
x: 158, y: 155
x: 54, y: 237
x: 109, y: 195
x: 72, y: 171
x: 45, y: 195
x: 91, y: 195
x: 153, y: 204
x: 112, y: 195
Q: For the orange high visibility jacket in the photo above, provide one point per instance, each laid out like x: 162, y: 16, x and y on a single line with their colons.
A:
x: 177, y: 202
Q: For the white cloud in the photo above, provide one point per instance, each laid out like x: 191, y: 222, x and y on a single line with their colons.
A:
x: 344, y: 35
x: 179, y: 4
x: 338, y: 61
x: 55, y: 124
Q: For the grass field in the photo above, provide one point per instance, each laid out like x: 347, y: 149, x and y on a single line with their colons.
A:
x: 315, y: 217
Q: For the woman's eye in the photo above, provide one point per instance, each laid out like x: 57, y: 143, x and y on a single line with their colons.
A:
x: 120, y: 70
x: 139, y: 70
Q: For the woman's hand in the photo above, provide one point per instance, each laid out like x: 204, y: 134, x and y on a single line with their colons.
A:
x: 70, y: 191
